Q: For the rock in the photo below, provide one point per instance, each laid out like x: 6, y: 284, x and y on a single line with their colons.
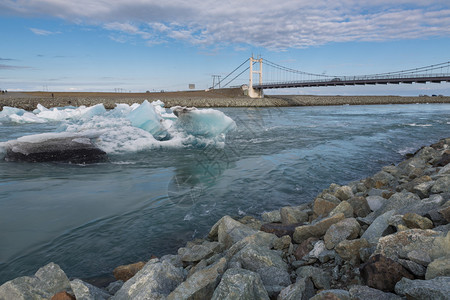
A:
x: 344, y: 193
x: 302, y: 289
x: 349, y: 250
x: 360, y: 206
x: 305, y: 247
x: 366, y: 252
x: 384, y: 179
x: 399, y: 201
x: 438, y: 267
x: 423, y: 189
x: 423, y: 206
x: 375, y: 202
x: 414, y: 268
x: 254, y: 257
x: 125, y: 272
x: 436, y: 288
x: 323, y: 207
x: 46, y: 282
x: 260, y: 238
x: 195, y: 268
x: 274, y: 280
x: 86, y: 291
x: 155, y: 280
x: 271, y: 216
x: 400, y: 244
x: 319, y: 247
x: 279, y: 229
x: 282, y: 243
x: 75, y: 149
x: 317, y: 229
x: 114, y: 286
x: 362, y: 292
x: 415, y: 221
x: 445, y: 169
x: 445, y: 213
x: 63, y: 296
x: 420, y: 257
x: 292, y: 215
x: 198, y: 252
x: 318, y: 276
x: 377, y: 228
x: 346, y: 229
x: 240, y: 284
x: 229, y: 231
x: 251, y: 222
x: 442, y: 185
x: 332, y: 295
x: 343, y: 207
x: 383, y: 273
x: 201, y: 284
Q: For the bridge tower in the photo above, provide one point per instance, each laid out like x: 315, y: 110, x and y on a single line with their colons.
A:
x: 255, y: 93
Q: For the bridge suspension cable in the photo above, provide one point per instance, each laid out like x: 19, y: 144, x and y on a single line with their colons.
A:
x: 219, y: 83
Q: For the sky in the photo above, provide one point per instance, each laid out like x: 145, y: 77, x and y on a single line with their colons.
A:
x: 154, y: 45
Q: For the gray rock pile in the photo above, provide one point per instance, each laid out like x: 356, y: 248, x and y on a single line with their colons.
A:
x: 384, y: 237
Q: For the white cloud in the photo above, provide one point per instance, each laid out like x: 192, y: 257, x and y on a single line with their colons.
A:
x: 263, y: 23
x: 43, y: 32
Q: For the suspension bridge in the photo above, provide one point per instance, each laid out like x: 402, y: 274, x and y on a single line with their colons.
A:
x: 277, y: 76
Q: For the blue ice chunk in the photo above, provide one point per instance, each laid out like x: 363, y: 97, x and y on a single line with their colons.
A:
x: 7, y: 111
x: 146, y: 118
x: 95, y: 110
x: 208, y: 123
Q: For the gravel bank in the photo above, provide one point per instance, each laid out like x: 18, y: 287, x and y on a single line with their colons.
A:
x: 215, y: 98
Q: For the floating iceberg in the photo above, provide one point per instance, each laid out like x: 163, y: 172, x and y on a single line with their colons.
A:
x: 126, y: 128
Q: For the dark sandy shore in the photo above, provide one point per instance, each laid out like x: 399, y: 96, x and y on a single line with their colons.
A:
x: 213, y: 98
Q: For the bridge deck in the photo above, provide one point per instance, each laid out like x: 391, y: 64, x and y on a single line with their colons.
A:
x: 344, y: 81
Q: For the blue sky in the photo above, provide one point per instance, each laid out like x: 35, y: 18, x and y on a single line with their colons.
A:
x: 139, y: 45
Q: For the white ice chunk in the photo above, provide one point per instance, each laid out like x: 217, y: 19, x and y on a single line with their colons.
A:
x: 39, y: 109
x: 27, y: 117
x: 7, y: 111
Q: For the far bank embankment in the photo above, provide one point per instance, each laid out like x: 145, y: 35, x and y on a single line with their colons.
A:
x: 213, y: 98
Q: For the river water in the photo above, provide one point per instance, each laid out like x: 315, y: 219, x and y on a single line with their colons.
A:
x: 91, y: 218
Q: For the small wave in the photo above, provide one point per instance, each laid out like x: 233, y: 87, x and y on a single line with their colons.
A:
x: 419, y: 125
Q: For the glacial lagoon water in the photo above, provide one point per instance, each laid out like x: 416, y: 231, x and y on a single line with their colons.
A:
x: 152, y: 196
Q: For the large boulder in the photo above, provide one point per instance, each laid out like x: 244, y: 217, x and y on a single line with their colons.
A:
x: 201, y: 284
x: 438, y: 267
x: 271, y: 216
x: 436, y: 288
x: 323, y: 207
x: 86, y: 291
x: 349, y: 250
x: 253, y: 257
x: 383, y: 273
x: 46, y: 282
x: 319, y: 277
x: 343, y: 207
x: 198, y: 252
x: 375, y: 231
x: 400, y: 244
x: 346, y: 229
x: 240, y: 284
x: 362, y: 292
x: 360, y: 206
x: 293, y: 215
x: 229, y: 231
x: 442, y: 185
x: 154, y: 281
x: 125, y: 272
x: 316, y: 229
x: 413, y: 220
x: 344, y: 193
x: 398, y: 201
x: 302, y: 289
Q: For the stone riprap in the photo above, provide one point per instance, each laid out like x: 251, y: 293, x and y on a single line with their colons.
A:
x: 383, y: 237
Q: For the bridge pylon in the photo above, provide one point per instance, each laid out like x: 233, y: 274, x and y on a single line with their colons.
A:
x: 255, y: 93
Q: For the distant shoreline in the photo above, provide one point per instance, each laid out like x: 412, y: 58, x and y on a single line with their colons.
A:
x: 213, y: 98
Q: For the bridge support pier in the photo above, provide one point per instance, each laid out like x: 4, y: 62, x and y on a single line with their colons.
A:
x: 255, y: 93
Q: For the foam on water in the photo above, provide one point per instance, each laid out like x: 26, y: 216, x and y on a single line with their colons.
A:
x: 126, y: 128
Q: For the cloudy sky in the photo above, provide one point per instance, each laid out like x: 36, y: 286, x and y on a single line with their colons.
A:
x: 139, y: 45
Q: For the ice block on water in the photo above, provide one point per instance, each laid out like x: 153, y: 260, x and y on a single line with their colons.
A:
x: 146, y: 118
x: 208, y: 123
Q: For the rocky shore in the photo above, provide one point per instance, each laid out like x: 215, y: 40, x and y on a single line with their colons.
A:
x: 214, y: 98
x: 383, y: 237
